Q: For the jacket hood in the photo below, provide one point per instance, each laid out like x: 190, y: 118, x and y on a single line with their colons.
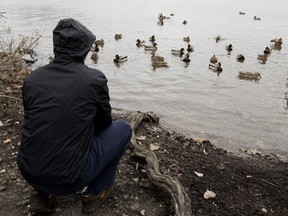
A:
x: 71, y: 39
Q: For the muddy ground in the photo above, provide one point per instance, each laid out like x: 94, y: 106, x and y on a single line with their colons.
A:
x: 255, y: 184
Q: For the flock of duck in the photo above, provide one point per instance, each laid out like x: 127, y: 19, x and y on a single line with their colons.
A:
x: 159, y: 61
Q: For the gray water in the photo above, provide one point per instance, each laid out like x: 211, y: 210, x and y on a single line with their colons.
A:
x: 231, y: 113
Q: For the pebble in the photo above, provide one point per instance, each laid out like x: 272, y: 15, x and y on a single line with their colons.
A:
x: 2, y: 188
x: 2, y: 171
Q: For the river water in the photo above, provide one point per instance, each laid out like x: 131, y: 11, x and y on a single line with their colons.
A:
x: 230, y: 112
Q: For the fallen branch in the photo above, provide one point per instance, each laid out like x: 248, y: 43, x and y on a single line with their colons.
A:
x: 180, y: 198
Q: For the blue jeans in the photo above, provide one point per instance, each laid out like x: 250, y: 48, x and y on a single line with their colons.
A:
x: 106, y: 150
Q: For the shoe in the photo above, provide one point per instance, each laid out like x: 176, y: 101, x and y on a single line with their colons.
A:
x: 41, y: 202
x: 91, y: 203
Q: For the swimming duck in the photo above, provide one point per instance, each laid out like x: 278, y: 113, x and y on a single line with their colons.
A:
x: 213, y: 59
x: 186, y: 39
x: 185, y: 22
x: 257, y: 18
x: 151, y: 48
x: 94, y: 56
x: 262, y: 57
x: 186, y: 58
x: 157, y: 64
x: 99, y: 42
x: 216, y: 67
x: 240, y: 58
x: 190, y: 48
x: 277, y: 41
x: 119, y: 58
x: 50, y: 58
x: 249, y: 75
x: 96, y: 49
x: 229, y: 48
x: 118, y: 36
x: 156, y: 58
x: 140, y: 43
x: 172, y: 14
x: 152, y: 38
x: 241, y: 13
x: 178, y: 52
x: 218, y: 38
x: 267, y: 50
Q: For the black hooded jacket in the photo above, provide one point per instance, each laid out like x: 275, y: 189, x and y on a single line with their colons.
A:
x: 65, y: 104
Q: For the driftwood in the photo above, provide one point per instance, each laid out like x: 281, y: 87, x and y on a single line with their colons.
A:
x: 180, y: 198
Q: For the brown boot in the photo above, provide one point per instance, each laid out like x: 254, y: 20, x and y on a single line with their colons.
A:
x: 41, y: 202
x: 91, y: 203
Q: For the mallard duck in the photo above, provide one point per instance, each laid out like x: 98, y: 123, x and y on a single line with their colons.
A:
x: 178, y: 52
x: 241, y: 13
x: 249, y: 75
x: 94, y: 56
x: 185, y: 22
x: 267, y: 50
x: 151, y: 48
x: 140, y: 43
x: 99, y: 42
x: 240, y: 58
x: 213, y: 59
x: 262, y: 57
x: 257, y: 18
x: 50, y: 58
x: 229, y: 48
x: 186, y: 58
x: 172, y: 14
x: 152, y: 38
x: 157, y: 64
x: 118, y: 36
x: 216, y: 67
x: 186, y: 39
x: 96, y: 49
x: 119, y: 58
x: 277, y: 41
x: 156, y: 58
x: 190, y: 48
x: 218, y: 38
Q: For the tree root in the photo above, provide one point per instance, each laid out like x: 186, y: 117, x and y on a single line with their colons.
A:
x: 180, y: 198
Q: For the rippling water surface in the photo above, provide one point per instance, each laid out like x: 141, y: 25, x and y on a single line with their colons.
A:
x: 231, y: 113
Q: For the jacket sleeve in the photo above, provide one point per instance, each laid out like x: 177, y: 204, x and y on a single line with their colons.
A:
x: 103, y: 116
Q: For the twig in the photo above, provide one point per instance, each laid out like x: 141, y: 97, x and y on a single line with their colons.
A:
x: 11, y: 97
x: 273, y: 184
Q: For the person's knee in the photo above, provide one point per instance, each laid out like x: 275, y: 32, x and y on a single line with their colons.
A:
x: 125, y: 128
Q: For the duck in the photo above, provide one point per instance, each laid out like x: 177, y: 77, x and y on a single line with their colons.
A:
x: 257, y: 18
x: 96, y: 49
x: 186, y: 39
x: 267, y: 51
x: 184, y: 22
x: 99, y: 42
x: 213, y: 59
x: 240, y: 58
x: 140, y: 43
x: 152, y: 38
x: 216, y: 67
x: 50, y: 58
x: 249, y: 75
x: 241, y: 13
x: 186, y: 58
x: 151, y: 48
x: 178, y: 52
x: 156, y: 58
x: 157, y: 64
x: 277, y: 41
x: 190, y: 48
x: 218, y: 38
x: 229, y: 48
x: 118, y: 36
x: 262, y: 57
x: 119, y: 58
x: 94, y: 56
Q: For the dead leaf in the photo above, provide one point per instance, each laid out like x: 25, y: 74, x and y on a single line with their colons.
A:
x: 141, y: 138
x: 154, y: 146
x: 8, y: 140
x: 209, y: 194
x: 198, y: 174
